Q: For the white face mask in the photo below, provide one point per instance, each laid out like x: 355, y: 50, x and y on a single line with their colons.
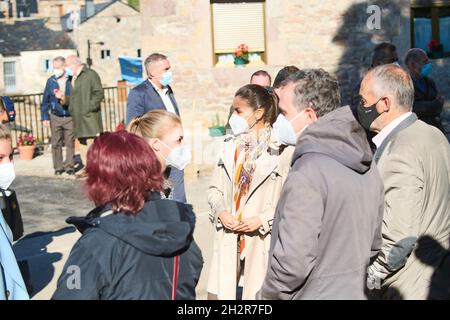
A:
x: 239, y: 125
x: 285, y: 131
x: 7, y: 175
x: 179, y: 157
x: 58, y: 73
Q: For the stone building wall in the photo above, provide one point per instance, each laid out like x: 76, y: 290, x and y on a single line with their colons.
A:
x: 49, y: 8
x: 119, y: 28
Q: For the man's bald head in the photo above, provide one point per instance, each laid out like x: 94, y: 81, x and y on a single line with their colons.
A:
x: 392, y: 81
x: 74, y: 63
x: 73, y: 60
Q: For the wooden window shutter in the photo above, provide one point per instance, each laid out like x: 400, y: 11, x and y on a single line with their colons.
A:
x: 236, y: 23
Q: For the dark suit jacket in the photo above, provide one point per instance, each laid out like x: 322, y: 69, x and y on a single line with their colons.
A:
x: 426, y: 105
x: 145, y: 98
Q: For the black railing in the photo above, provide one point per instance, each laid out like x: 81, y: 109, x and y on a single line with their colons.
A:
x: 28, y: 114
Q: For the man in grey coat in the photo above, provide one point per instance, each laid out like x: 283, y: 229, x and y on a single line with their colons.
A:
x: 327, y: 225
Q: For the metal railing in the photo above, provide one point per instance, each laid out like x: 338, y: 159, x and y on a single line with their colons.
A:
x: 28, y: 114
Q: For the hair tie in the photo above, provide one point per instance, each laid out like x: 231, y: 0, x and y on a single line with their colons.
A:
x: 269, y: 89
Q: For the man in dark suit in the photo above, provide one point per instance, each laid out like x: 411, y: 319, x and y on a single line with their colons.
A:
x: 152, y: 94
x: 155, y: 92
x: 428, y: 102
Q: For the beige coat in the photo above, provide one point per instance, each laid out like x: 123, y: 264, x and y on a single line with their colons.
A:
x: 269, y: 176
x: 415, y: 168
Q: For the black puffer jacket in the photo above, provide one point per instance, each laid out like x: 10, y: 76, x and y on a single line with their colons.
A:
x: 132, y: 257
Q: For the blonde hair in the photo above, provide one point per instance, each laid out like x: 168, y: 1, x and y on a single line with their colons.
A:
x: 5, y: 134
x: 154, y: 124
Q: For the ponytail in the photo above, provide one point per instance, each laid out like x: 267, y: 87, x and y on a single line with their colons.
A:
x: 259, y: 97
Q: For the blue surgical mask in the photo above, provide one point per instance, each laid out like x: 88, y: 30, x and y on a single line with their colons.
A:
x: 426, y: 70
x: 69, y: 72
x: 285, y: 131
x: 166, y: 78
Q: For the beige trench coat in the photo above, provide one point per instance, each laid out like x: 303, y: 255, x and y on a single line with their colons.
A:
x: 269, y: 176
x: 415, y: 168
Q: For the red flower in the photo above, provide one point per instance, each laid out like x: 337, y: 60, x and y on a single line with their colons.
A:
x: 242, y: 52
x: 26, y: 140
x: 120, y: 126
x: 433, y: 44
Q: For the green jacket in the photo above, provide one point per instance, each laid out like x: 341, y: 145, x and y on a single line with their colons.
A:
x: 84, y: 104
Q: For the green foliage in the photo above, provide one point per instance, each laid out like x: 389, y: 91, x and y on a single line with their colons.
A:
x: 217, y: 121
x: 134, y: 4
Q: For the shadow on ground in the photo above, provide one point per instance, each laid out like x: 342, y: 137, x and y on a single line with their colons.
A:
x: 36, y: 263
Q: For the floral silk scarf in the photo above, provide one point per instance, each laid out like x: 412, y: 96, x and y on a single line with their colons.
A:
x: 246, y: 153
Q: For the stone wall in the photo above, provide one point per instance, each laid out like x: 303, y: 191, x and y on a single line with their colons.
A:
x: 119, y: 28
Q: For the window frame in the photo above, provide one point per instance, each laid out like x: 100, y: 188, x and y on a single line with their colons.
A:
x: 215, y: 56
x: 434, y: 13
x: 7, y: 88
x: 105, y: 54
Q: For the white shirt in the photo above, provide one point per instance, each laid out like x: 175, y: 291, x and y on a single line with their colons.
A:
x: 164, y: 94
x: 379, y: 138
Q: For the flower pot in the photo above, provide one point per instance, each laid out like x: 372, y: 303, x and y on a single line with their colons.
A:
x: 26, y: 152
x: 216, y: 131
x: 437, y: 53
x: 239, y: 61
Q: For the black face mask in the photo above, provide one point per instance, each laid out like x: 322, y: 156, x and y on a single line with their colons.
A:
x: 367, y: 115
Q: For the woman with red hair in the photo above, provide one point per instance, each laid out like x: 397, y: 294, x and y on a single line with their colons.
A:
x: 134, y: 245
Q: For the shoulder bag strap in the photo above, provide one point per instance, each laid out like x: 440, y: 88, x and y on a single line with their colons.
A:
x: 176, y: 269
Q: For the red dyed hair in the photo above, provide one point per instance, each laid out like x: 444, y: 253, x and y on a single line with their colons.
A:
x: 122, y: 169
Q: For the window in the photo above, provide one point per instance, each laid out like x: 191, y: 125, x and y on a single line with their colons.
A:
x: 9, y: 73
x: 430, y: 20
x: 105, y: 54
x: 46, y: 65
x: 138, y: 53
x: 236, y: 22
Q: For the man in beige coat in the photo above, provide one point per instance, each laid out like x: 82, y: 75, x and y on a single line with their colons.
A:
x: 414, y: 161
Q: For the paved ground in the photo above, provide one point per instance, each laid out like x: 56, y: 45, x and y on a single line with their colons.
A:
x: 45, y: 203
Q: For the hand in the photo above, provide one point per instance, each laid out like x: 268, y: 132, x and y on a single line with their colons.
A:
x: 248, y: 225
x: 228, y: 220
x: 58, y: 93
x: 46, y: 123
x: 374, y: 278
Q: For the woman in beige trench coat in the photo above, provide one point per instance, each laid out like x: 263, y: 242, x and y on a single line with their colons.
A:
x: 243, y: 195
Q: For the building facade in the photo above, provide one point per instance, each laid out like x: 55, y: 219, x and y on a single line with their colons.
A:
x: 113, y: 30
x: 26, y: 55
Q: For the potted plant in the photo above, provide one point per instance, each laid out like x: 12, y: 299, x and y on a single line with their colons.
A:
x: 241, y: 55
x: 436, y: 49
x: 26, y: 145
x: 218, y: 128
